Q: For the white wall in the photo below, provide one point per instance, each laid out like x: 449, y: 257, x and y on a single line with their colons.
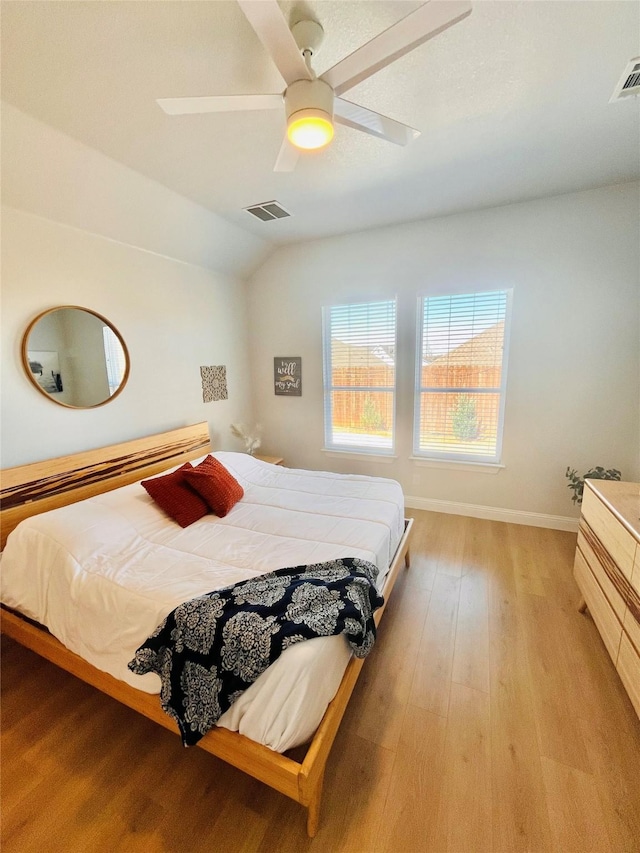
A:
x: 49, y: 173
x: 573, y: 393
x: 79, y: 228
x: 173, y: 316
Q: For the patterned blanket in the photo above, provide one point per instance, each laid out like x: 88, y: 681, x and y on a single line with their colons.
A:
x: 209, y: 650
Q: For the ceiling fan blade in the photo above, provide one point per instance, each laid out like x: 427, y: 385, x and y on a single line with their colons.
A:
x: 405, y: 35
x: 273, y: 31
x: 287, y: 157
x: 219, y: 104
x: 360, y: 118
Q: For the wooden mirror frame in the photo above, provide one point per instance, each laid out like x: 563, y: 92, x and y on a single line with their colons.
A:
x: 27, y: 369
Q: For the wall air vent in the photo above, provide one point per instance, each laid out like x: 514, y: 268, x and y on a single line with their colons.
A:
x: 629, y: 83
x: 267, y: 210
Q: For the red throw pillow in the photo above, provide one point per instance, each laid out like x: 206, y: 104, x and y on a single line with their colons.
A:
x: 218, y: 487
x: 176, y: 497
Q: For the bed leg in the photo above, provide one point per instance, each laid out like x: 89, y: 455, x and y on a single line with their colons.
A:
x: 313, y: 809
x: 582, y: 606
x: 407, y: 559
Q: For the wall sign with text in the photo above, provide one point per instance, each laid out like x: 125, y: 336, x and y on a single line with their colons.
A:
x: 287, y: 376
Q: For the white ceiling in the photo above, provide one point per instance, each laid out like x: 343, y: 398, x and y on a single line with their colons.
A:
x: 512, y: 104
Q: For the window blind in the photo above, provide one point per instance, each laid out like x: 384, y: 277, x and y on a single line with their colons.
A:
x: 359, y: 344
x: 460, y: 376
x: 114, y: 359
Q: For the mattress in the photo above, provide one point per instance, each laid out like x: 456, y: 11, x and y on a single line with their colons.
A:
x: 103, y: 573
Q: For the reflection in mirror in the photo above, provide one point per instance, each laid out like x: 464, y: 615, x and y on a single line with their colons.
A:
x: 75, y: 357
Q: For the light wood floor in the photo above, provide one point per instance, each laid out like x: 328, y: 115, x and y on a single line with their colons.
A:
x: 488, y: 718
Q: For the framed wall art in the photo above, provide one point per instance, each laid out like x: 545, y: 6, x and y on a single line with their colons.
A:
x: 287, y: 376
x: 214, y: 383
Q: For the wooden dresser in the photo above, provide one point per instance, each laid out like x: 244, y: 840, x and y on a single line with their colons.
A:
x: 607, y: 569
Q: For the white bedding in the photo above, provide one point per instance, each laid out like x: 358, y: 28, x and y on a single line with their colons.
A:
x: 103, y: 573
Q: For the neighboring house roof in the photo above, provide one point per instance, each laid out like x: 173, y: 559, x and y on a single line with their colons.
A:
x: 344, y: 354
x: 483, y: 350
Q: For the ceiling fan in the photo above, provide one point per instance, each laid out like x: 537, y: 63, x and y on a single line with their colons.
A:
x: 312, y: 104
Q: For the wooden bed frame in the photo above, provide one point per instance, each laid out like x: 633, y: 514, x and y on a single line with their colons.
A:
x: 31, y: 489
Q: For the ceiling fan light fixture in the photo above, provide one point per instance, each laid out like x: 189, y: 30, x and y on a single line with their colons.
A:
x: 311, y: 102
x: 309, y: 108
x: 310, y: 129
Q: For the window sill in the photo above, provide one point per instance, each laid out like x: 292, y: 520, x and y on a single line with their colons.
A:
x: 454, y: 465
x: 355, y: 454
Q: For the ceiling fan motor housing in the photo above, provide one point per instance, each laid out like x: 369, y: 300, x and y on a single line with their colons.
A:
x: 309, y: 95
x: 308, y: 36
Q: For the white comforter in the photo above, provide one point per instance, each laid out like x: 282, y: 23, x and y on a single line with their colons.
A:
x: 103, y: 573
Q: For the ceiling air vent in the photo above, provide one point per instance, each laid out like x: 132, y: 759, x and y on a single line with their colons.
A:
x: 268, y: 210
x: 629, y: 83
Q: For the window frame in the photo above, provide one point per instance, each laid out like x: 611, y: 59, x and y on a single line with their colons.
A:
x: 457, y: 456
x: 329, y: 388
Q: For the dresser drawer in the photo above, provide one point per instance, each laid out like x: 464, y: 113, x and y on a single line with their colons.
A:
x: 635, y: 577
x: 628, y: 666
x: 615, y: 538
x: 631, y: 624
x: 607, y: 623
x: 605, y: 571
x: 632, y: 616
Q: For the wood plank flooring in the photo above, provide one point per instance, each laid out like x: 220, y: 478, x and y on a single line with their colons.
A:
x: 488, y: 718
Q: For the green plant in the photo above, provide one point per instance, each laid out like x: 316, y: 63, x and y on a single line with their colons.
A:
x: 464, y: 419
x: 576, y: 481
x: 371, y: 418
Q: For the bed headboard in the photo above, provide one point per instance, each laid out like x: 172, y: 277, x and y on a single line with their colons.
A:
x: 31, y: 489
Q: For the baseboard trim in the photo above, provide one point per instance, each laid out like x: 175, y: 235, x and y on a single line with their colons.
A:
x: 493, y: 513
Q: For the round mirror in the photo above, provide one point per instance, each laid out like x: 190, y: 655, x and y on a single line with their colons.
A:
x: 75, y: 357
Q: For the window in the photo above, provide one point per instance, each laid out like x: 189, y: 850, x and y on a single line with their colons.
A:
x: 114, y: 358
x: 359, y: 344
x: 461, y: 376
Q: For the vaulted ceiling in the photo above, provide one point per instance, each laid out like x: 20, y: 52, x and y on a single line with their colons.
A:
x: 512, y: 104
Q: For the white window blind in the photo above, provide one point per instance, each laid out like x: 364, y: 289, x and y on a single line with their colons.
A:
x: 114, y: 359
x: 359, y: 345
x: 461, y: 376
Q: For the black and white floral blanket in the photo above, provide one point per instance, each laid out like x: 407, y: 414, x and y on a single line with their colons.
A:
x: 209, y: 650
